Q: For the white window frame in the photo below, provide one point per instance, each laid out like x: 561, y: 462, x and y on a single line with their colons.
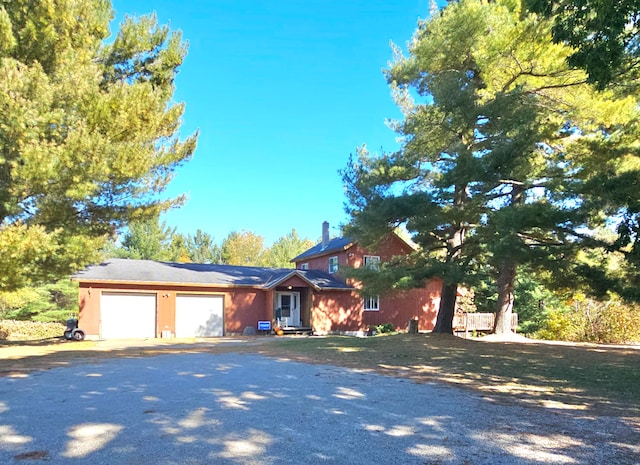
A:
x: 304, y: 266
x: 371, y: 303
x: 333, y: 264
x: 372, y: 261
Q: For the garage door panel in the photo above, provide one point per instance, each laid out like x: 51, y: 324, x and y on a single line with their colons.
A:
x: 199, y: 316
x: 127, y: 315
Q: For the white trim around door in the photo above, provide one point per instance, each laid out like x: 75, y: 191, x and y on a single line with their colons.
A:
x: 288, y: 304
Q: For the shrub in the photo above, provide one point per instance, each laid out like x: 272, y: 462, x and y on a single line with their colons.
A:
x: 538, y: 308
x: 50, y: 302
x: 13, y: 330
x: 557, y: 325
x: 385, y: 328
x: 588, y: 320
x: 610, y: 321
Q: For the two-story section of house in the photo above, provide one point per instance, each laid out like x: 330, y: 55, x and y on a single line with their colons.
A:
x: 350, y: 311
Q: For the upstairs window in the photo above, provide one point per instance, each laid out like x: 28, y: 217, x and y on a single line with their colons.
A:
x: 333, y: 264
x: 304, y: 266
x: 372, y: 261
x: 372, y: 303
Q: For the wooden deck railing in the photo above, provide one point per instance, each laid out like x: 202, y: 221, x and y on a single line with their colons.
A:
x: 465, y: 322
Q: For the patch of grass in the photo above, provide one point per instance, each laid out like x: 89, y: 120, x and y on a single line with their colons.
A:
x: 561, y: 376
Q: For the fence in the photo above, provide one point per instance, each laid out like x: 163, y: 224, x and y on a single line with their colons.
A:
x: 465, y: 322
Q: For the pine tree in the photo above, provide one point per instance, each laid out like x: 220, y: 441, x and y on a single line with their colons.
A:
x: 149, y: 240
x: 88, y: 131
x: 279, y: 255
x: 604, y: 36
x: 492, y: 173
x: 203, y: 249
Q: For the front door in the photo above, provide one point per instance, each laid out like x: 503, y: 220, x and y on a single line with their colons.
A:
x: 289, y: 305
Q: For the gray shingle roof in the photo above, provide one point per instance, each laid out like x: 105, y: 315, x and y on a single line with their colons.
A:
x: 149, y: 271
x: 337, y: 244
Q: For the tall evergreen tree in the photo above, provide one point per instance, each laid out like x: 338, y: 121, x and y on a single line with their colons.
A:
x: 279, y: 255
x: 492, y: 167
x: 88, y: 131
x: 202, y: 248
x: 149, y: 240
x: 605, y: 36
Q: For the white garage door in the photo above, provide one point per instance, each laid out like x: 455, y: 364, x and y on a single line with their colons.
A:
x: 125, y: 315
x: 198, y: 315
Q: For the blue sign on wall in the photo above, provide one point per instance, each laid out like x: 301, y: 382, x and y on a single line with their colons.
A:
x: 264, y: 326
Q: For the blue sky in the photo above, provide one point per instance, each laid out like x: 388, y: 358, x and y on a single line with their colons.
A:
x: 282, y: 92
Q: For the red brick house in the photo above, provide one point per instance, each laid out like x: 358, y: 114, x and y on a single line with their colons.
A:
x: 145, y: 299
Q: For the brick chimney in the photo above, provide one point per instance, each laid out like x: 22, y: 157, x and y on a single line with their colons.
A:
x: 325, y: 234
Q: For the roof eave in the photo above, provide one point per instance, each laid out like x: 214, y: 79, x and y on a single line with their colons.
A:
x: 167, y: 283
x: 288, y: 276
x: 337, y: 288
x: 322, y: 252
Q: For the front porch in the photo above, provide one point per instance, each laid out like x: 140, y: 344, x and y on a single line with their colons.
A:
x: 292, y: 310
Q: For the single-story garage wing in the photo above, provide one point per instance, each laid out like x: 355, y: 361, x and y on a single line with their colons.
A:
x: 124, y: 298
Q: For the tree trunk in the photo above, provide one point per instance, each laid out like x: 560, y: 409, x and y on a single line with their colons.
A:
x: 504, y: 310
x: 449, y: 292
x: 447, y: 310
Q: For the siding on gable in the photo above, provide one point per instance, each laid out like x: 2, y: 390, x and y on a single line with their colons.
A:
x: 388, y: 249
x: 294, y: 281
x: 322, y: 262
x: 354, y: 256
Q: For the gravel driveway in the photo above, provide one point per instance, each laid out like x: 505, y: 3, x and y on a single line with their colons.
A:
x: 248, y: 409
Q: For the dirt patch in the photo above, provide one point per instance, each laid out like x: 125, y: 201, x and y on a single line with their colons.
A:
x: 22, y: 358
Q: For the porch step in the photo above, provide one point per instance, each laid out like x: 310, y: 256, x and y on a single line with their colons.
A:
x: 297, y: 330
